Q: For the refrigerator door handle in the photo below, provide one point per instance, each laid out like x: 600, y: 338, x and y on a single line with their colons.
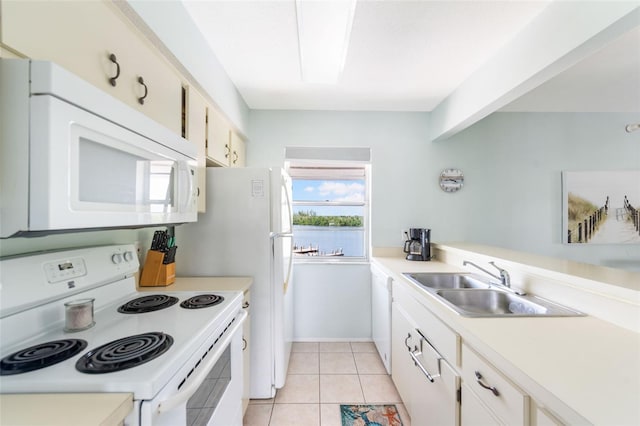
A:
x: 280, y: 234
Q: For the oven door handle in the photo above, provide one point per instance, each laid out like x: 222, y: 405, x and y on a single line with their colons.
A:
x: 191, y: 388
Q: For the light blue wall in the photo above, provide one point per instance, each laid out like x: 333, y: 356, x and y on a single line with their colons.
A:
x: 512, y: 164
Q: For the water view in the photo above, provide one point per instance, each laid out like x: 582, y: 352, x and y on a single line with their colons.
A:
x: 328, y: 240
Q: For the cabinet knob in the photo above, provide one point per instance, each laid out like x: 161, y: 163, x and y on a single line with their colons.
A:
x: 113, y: 79
x: 146, y: 91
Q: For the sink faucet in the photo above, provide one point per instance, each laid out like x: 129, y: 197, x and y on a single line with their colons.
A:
x: 504, y: 277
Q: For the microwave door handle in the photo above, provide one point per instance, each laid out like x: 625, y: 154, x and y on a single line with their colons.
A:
x: 183, y: 169
x: 204, y: 369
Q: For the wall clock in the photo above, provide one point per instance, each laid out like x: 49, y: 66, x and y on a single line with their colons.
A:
x: 451, y: 180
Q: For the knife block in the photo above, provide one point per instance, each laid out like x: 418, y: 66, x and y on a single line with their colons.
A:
x: 155, y: 273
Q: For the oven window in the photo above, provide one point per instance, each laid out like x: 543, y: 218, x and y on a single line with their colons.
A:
x: 203, y: 403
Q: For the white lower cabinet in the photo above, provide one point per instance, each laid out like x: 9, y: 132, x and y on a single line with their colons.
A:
x: 444, y: 380
x: 502, y: 399
x: 473, y: 412
x: 381, y: 314
x: 427, y: 383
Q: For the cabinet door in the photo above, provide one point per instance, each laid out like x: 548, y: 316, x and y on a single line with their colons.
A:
x: 429, y: 400
x: 542, y: 417
x: 381, y: 314
x: 196, y: 132
x: 218, y: 139
x: 80, y: 36
x: 246, y: 352
x: 435, y: 403
x: 403, y: 336
x: 473, y: 412
x: 237, y: 150
x: 496, y: 391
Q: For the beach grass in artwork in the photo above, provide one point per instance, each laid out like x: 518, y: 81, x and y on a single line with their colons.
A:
x: 371, y: 415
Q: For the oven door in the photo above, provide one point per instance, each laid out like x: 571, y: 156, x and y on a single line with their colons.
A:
x: 208, y: 388
x: 87, y: 172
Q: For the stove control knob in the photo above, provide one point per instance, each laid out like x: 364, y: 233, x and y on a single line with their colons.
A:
x: 128, y: 256
x: 116, y: 258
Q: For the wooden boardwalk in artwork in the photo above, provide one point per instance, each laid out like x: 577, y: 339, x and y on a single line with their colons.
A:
x: 616, y: 229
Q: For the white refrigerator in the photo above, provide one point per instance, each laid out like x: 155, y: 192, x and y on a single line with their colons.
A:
x: 247, y: 231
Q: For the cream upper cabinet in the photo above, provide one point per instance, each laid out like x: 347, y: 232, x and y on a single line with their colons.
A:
x: 237, y: 151
x: 95, y: 41
x: 224, y: 146
x: 218, y: 139
x: 196, y: 132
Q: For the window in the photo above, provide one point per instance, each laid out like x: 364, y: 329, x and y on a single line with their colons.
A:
x: 330, y: 209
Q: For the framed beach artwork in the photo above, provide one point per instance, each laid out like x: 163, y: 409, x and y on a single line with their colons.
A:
x: 601, y: 207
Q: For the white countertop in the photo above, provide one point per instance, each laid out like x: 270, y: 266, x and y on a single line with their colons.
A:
x: 82, y: 409
x: 592, y: 366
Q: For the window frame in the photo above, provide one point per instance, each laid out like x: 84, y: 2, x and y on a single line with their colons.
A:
x: 335, y: 170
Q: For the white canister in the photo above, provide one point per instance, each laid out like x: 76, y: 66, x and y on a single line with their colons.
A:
x: 78, y: 315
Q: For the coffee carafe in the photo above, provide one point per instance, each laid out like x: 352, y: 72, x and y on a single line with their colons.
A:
x: 418, y: 246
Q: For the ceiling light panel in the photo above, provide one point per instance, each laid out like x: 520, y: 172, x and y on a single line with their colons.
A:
x: 324, y: 29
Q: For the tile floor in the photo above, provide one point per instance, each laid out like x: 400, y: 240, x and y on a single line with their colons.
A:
x: 322, y: 376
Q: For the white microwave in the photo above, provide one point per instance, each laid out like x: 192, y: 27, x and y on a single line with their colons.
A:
x: 73, y: 158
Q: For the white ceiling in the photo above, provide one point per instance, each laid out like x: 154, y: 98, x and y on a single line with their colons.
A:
x: 404, y: 56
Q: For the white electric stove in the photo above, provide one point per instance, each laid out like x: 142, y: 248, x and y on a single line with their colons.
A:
x: 178, y: 353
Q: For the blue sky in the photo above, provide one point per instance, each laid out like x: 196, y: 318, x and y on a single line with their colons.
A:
x: 329, y: 190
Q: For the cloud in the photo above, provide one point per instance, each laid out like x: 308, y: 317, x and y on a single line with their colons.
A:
x: 340, y: 191
x: 309, y: 189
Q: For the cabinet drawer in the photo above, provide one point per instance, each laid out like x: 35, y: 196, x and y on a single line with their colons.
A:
x: 503, y: 398
x: 445, y: 340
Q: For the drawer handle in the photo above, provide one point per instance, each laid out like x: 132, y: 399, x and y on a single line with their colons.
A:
x: 414, y: 355
x: 146, y: 90
x: 235, y: 157
x: 227, y: 150
x: 244, y: 344
x: 245, y: 305
x: 491, y: 388
x: 113, y: 79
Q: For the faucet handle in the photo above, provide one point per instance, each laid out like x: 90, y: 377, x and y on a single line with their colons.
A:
x: 503, y: 274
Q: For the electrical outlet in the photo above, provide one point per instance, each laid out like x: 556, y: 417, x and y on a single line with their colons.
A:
x: 138, y: 248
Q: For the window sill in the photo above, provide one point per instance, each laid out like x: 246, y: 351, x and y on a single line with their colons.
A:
x: 328, y: 261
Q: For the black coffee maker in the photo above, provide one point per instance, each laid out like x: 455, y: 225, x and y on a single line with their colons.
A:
x: 418, y: 246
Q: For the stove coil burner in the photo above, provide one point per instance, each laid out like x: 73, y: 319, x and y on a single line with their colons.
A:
x: 124, y: 353
x: 150, y: 303
x: 202, y: 301
x: 41, y: 356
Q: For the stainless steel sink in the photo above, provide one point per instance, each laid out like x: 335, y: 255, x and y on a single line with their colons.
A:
x: 500, y: 303
x: 472, y: 295
x: 437, y: 281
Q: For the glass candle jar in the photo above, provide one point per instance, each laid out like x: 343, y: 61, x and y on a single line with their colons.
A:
x: 78, y: 315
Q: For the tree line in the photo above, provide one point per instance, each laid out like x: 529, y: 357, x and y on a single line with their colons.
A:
x: 310, y: 218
